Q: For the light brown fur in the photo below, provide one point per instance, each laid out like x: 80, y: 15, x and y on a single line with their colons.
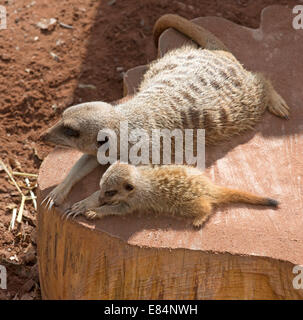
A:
x: 188, y: 88
x: 174, y: 190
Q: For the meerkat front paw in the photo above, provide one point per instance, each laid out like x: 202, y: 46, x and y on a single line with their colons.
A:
x: 82, y: 206
x: 56, y: 196
x: 75, y: 210
x: 91, y: 215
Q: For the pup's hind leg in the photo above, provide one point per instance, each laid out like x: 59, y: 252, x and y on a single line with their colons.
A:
x: 203, y: 210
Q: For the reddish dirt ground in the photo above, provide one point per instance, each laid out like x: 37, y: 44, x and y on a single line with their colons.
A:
x: 42, y: 72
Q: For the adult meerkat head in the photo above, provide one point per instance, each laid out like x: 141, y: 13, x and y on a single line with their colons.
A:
x: 118, y: 183
x: 80, y: 125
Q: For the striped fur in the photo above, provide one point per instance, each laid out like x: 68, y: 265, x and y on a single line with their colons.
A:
x: 197, y: 88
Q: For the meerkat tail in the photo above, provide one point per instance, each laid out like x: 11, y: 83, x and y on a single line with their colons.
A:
x: 192, y: 30
x: 227, y: 195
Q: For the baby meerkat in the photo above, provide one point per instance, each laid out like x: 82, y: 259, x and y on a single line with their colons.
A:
x: 176, y: 190
x: 188, y: 88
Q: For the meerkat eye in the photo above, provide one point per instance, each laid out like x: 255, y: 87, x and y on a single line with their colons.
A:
x: 71, y: 132
x: 100, y: 143
x: 110, y: 193
x: 129, y: 187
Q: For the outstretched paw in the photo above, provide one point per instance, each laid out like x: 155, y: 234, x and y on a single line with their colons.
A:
x: 76, y: 209
x: 55, y: 197
x: 91, y: 215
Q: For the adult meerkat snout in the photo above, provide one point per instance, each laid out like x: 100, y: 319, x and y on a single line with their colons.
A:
x: 78, y: 129
x: 62, y: 133
x: 80, y: 125
x: 175, y: 190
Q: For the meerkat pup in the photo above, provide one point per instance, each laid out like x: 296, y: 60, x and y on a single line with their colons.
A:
x: 188, y: 88
x: 176, y: 190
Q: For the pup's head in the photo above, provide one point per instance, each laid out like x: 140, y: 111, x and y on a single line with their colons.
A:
x: 80, y: 125
x: 118, y: 183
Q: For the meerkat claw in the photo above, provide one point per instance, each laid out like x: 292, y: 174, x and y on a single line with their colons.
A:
x: 75, y: 210
x: 48, y: 203
x: 51, y: 204
x: 70, y: 214
x: 75, y: 215
x: 44, y: 199
x: 65, y: 214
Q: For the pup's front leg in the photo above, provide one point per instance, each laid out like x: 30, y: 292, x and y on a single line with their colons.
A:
x: 108, y: 210
x: 81, y: 207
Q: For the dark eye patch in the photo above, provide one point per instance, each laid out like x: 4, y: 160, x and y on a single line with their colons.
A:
x: 100, y: 143
x: 129, y: 187
x: 110, y: 193
x: 70, y: 132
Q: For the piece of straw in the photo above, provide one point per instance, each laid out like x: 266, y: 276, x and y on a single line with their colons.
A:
x: 31, y: 193
x: 11, y: 177
x: 20, y: 213
x: 30, y: 198
x: 12, y: 224
x: 24, y: 174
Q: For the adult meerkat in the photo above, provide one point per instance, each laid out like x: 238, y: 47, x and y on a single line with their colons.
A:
x: 176, y: 190
x: 188, y: 88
